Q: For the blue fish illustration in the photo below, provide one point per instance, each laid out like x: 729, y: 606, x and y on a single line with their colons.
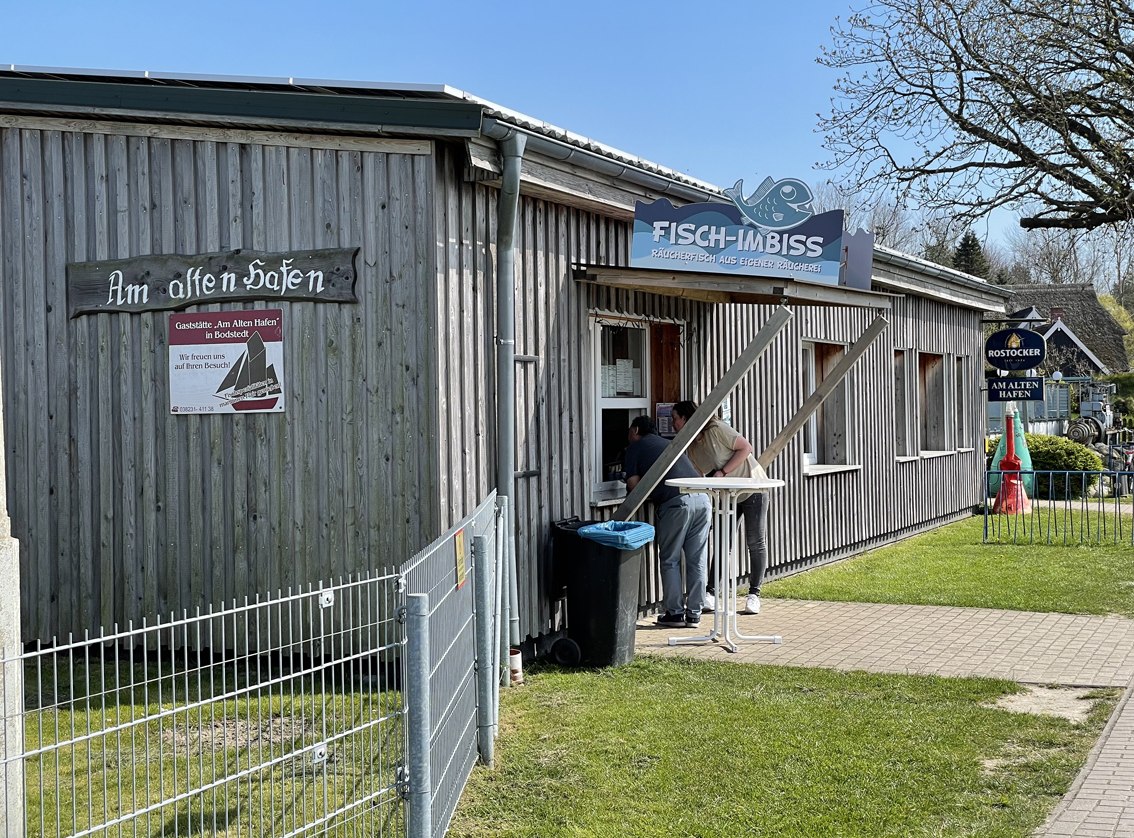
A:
x: 775, y: 205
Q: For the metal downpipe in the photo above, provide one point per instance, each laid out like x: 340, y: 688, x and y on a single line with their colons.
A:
x: 507, y: 213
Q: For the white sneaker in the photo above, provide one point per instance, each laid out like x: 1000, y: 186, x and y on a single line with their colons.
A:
x: 708, y: 604
x: 751, y: 604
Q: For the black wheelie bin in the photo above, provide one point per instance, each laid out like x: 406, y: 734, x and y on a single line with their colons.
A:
x: 599, y: 565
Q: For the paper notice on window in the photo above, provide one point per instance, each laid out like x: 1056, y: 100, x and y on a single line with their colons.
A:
x: 607, y: 371
x: 624, y: 376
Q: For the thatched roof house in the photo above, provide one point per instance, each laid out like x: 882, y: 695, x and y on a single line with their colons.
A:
x: 1072, y: 319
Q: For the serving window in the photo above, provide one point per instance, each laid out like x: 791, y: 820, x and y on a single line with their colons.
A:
x: 638, y: 366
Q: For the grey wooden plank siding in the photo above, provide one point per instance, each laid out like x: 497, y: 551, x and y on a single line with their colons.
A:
x: 553, y: 393
x: 813, y: 519
x: 124, y: 511
x: 825, y: 516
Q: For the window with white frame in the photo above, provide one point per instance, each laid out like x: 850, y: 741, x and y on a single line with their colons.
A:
x: 637, y: 366
x: 932, y: 404
x: 828, y: 436
x: 905, y: 410
x: 963, y: 404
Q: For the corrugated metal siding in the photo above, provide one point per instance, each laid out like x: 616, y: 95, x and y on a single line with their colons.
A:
x: 124, y: 510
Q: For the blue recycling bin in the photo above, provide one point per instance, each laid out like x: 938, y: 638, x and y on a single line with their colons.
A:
x: 599, y: 563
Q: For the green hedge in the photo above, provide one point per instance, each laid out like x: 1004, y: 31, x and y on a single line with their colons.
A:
x: 1055, y: 453
x: 1125, y: 382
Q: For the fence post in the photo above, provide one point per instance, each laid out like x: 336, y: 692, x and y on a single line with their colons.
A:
x: 419, y: 815
x: 11, y: 671
x: 485, y: 670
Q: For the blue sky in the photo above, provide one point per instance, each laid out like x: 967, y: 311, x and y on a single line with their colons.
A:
x: 716, y: 91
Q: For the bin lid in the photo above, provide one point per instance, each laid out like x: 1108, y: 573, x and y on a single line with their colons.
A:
x: 572, y: 524
x: 625, y: 535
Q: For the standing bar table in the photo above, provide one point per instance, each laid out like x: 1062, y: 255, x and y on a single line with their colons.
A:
x: 723, y: 492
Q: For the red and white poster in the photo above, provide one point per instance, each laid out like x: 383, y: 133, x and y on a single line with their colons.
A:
x: 226, y: 362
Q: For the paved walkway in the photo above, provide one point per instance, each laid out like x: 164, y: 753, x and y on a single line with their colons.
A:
x: 1049, y: 649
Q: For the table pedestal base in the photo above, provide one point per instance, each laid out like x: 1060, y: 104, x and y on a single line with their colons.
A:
x: 723, y: 544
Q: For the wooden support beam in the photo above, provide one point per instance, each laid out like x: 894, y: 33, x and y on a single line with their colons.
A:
x: 700, y: 418
x: 812, y: 403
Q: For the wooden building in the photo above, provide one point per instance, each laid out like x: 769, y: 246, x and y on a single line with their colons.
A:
x: 387, y: 429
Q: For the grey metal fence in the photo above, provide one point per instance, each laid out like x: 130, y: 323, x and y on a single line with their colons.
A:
x: 278, y: 716
x: 1059, y: 507
x: 442, y: 577
x: 269, y: 717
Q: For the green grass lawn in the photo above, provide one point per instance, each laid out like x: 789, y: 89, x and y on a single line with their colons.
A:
x: 680, y: 747
x: 674, y: 747
x: 952, y: 566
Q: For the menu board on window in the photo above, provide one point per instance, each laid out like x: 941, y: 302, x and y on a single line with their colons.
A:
x: 624, y: 376
x: 607, y: 372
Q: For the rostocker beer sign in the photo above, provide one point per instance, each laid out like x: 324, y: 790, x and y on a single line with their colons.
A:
x: 1015, y: 349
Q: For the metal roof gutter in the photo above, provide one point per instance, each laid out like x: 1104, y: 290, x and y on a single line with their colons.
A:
x: 910, y: 275
x: 432, y: 117
x: 927, y: 268
x: 606, y: 165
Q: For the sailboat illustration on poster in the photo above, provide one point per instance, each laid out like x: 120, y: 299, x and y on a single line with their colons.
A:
x: 251, y: 382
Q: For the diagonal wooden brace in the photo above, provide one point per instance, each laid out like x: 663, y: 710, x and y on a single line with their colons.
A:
x: 828, y: 385
x: 700, y: 418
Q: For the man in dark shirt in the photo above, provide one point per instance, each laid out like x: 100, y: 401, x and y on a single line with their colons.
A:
x: 681, y: 522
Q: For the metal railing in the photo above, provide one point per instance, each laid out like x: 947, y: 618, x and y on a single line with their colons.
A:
x: 279, y: 716
x: 1061, y: 507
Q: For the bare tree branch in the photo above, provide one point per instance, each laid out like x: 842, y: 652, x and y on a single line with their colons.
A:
x: 970, y: 105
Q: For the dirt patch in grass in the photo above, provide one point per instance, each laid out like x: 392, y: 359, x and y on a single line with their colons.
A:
x: 1074, y: 703
x: 238, y: 733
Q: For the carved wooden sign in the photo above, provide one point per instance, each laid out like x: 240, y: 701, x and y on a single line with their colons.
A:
x: 154, y: 283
